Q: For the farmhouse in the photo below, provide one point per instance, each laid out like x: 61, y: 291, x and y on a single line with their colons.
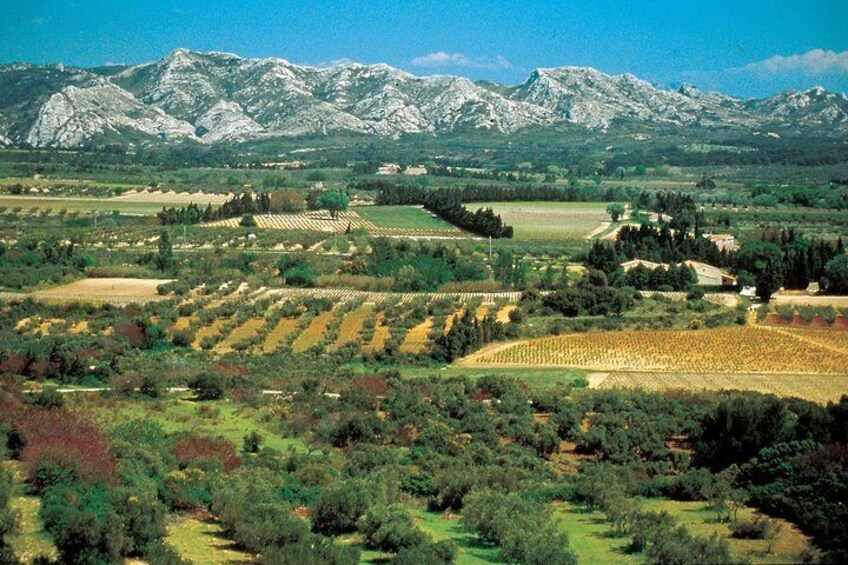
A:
x: 708, y: 275
x: 650, y: 265
x: 415, y: 171
x: 389, y: 169
x: 724, y: 241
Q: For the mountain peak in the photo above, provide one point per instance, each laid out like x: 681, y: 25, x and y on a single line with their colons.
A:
x: 216, y: 97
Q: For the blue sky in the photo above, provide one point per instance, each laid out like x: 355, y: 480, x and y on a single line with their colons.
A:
x: 744, y: 48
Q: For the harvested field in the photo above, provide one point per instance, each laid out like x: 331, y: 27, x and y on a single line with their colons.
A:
x: 351, y: 326
x: 173, y: 198
x: 381, y: 335
x: 548, y: 220
x: 722, y: 351
x: 211, y: 330
x: 449, y: 321
x: 415, y: 341
x: 112, y: 291
x: 503, y: 313
x: 182, y: 323
x: 313, y: 333
x: 245, y: 331
x: 80, y: 327
x: 816, y: 388
x: 278, y: 335
x: 481, y: 312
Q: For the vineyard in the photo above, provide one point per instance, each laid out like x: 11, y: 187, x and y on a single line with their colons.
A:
x: 320, y: 221
x: 740, y: 350
x: 817, y: 388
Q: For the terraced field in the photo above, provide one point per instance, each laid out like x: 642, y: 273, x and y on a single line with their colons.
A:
x: 351, y: 326
x: 284, y: 328
x: 313, y: 333
x: 415, y: 341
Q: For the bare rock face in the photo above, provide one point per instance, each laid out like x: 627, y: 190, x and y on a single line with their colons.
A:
x: 76, y: 114
x: 218, y: 97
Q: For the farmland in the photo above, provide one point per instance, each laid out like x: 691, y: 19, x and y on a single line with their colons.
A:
x: 109, y: 290
x: 729, y: 350
x: 408, y: 221
x: 535, y: 221
x: 387, y: 387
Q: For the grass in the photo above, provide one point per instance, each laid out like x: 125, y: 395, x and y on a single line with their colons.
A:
x: 30, y: 541
x: 591, y: 539
x: 469, y: 550
x: 535, y: 378
x: 214, y: 418
x: 402, y: 217
x: 588, y: 533
x: 201, y: 542
x: 548, y: 220
x: 700, y: 520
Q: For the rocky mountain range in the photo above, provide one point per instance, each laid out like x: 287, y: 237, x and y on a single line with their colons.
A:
x: 217, y: 97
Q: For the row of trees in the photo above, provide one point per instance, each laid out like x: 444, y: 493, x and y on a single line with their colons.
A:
x: 286, y: 201
x: 445, y: 203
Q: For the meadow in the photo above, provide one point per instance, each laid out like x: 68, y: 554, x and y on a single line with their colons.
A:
x: 538, y: 221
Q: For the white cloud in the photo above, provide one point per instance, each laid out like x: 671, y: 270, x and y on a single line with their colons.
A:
x: 812, y: 63
x: 442, y: 59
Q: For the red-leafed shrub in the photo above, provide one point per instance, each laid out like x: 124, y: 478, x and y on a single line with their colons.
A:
x: 206, y: 451
x: 374, y: 385
x: 133, y: 333
x: 9, y: 408
x: 15, y: 364
x: 61, y: 438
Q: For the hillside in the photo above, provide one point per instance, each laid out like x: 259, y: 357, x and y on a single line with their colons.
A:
x: 212, y: 98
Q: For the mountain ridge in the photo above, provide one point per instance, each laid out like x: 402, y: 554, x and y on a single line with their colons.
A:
x: 220, y: 97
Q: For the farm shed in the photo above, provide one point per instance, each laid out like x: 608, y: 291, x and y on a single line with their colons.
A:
x: 708, y: 275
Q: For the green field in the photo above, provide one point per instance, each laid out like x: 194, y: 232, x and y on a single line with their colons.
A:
x: 402, y: 217
x: 81, y: 205
x: 593, y: 542
x: 202, y: 542
x: 548, y: 220
x: 469, y: 550
x: 214, y: 418
x: 30, y: 541
x: 535, y: 378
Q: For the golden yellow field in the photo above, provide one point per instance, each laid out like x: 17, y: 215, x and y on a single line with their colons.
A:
x: 381, y: 335
x: 481, y: 312
x: 242, y: 332
x: 716, y: 351
x: 415, y: 341
x: 351, y: 326
x: 111, y: 290
x: 283, y: 329
x: 817, y: 388
x: 503, y: 313
x: 208, y: 331
x: 449, y: 321
x: 313, y: 333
